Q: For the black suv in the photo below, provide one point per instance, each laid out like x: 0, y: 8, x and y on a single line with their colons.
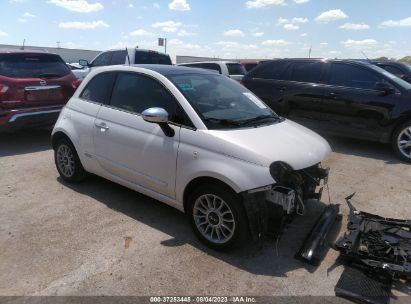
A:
x: 400, y: 69
x: 342, y: 97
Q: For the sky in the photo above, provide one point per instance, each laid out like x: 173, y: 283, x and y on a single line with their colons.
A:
x: 215, y: 28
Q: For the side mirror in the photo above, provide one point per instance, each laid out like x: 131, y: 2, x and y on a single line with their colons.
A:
x: 83, y: 63
x: 160, y: 117
x: 383, y: 88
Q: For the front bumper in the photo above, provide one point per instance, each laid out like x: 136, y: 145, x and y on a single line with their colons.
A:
x: 26, y: 118
x: 269, y: 208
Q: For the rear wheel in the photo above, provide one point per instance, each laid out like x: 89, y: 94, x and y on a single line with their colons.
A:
x: 401, y: 141
x: 67, y: 162
x: 217, y: 216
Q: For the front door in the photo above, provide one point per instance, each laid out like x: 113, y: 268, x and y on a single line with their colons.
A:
x: 131, y: 149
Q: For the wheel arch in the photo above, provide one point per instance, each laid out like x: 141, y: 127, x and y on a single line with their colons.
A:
x: 55, y: 137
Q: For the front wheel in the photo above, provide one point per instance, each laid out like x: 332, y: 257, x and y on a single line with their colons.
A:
x: 401, y: 141
x: 217, y: 217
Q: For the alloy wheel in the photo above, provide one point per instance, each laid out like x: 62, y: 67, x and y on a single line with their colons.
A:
x: 404, y: 142
x: 214, y: 218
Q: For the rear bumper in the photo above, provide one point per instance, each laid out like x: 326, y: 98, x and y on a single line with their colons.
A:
x: 26, y: 118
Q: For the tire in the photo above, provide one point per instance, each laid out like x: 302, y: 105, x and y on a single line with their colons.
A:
x: 67, y: 162
x: 402, y: 136
x: 220, y: 209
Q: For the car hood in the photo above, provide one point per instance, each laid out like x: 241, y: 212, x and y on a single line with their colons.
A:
x: 286, y: 141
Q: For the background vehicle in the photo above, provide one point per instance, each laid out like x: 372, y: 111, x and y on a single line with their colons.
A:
x: 34, y: 86
x: 124, y: 56
x: 192, y: 139
x: 343, y: 97
x: 231, y: 69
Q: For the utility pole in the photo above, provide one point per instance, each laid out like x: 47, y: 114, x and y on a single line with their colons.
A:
x: 24, y: 42
x: 309, y: 52
x: 58, y: 44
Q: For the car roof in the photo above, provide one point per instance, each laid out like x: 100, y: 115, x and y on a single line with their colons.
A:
x: 354, y: 61
x: 137, y: 50
x: 172, y: 69
x: 13, y: 51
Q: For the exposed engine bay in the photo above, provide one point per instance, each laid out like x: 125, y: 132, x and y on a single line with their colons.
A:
x: 270, y: 208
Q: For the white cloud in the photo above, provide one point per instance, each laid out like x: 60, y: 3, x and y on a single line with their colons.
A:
x: 184, y: 33
x: 279, y: 42
x: 182, y: 45
x: 29, y: 15
x: 156, y: 5
x: 282, y: 21
x: 22, y: 20
x: 304, y: 35
x: 331, y: 15
x: 78, y: 25
x: 131, y: 5
x: 291, y: 27
x: 234, y: 33
x: 168, y: 26
x: 324, y: 44
x: 80, y: 6
x: 355, y: 26
x: 299, y: 20
x: 301, y: 1
x: 366, y: 43
x: 232, y: 45
x: 179, y: 5
x: 257, y: 34
x: 262, y: 3
x: 141, y: 32
x: 3, y: 34
x: 396, y: 23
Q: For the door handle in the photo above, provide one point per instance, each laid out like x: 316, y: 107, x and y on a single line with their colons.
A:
x: 102, y: 126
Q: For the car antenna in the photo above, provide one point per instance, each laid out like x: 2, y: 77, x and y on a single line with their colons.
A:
x: 365, y: 55
x: 128, y: 57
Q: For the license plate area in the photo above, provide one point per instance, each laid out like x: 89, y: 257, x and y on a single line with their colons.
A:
x: 43, y: 93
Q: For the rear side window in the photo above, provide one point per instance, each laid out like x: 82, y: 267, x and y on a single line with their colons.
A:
x: 307, y: 71
x: 135, y: 93
x: 119, y: 57
x: 348, y: 75
x: 151, y: 58
x: 22, y: 65
x: 236, y: 69
x: 270, y: 70
x: 99, y: 88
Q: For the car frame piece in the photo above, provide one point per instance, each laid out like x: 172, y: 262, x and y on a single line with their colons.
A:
x: 383, y: 244
x: 315, y: 240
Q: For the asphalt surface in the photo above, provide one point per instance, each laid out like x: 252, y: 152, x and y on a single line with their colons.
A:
x: 99, y: 238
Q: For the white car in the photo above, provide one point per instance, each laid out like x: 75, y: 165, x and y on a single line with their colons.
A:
x: 230, y: 69
x: 193, y: 139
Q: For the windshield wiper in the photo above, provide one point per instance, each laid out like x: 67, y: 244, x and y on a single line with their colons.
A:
x: 48, y: 75
x: 257, y: 119
x: 222, y: 121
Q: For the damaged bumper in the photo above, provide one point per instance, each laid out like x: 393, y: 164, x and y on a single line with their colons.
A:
x: 270, y: 208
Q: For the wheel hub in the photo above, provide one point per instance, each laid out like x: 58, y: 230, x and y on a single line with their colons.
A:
x: 213, y: 218
x: 404, y: 142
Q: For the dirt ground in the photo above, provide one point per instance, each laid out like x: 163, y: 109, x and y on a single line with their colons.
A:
x: 99, y: 238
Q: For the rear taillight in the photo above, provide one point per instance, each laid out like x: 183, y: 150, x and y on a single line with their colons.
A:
x: 3, y: 91
x: 76, y: 83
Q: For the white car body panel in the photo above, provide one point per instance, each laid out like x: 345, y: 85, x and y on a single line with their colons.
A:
x: 221, y: 64
x: 138, y: 155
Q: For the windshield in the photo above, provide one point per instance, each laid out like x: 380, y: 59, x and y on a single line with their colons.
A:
x: 236, y: 69
x: 397, y: 80
x: 26, y: 65
x: 223, y: 103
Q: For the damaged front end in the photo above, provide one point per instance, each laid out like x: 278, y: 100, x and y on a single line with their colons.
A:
x: 383, y: 244
x: 270, y: 208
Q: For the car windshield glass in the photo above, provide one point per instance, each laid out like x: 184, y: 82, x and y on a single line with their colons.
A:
x: 222, y: 102
x: 151, y: 58
x: 236, y: 69
x: 32, y: 65
x: 397, y: 80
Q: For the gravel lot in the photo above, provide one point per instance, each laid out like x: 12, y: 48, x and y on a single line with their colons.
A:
x: 98, y: 238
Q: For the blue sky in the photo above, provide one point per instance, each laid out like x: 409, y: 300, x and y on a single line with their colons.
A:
x: 225, y: 28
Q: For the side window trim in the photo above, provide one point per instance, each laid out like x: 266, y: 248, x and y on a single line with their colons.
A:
x: 109, y: 105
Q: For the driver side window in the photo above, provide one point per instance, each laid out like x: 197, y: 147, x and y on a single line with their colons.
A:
x: 135, y: 93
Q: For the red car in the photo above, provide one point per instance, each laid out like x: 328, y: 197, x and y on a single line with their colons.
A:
x: 34, y: 86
